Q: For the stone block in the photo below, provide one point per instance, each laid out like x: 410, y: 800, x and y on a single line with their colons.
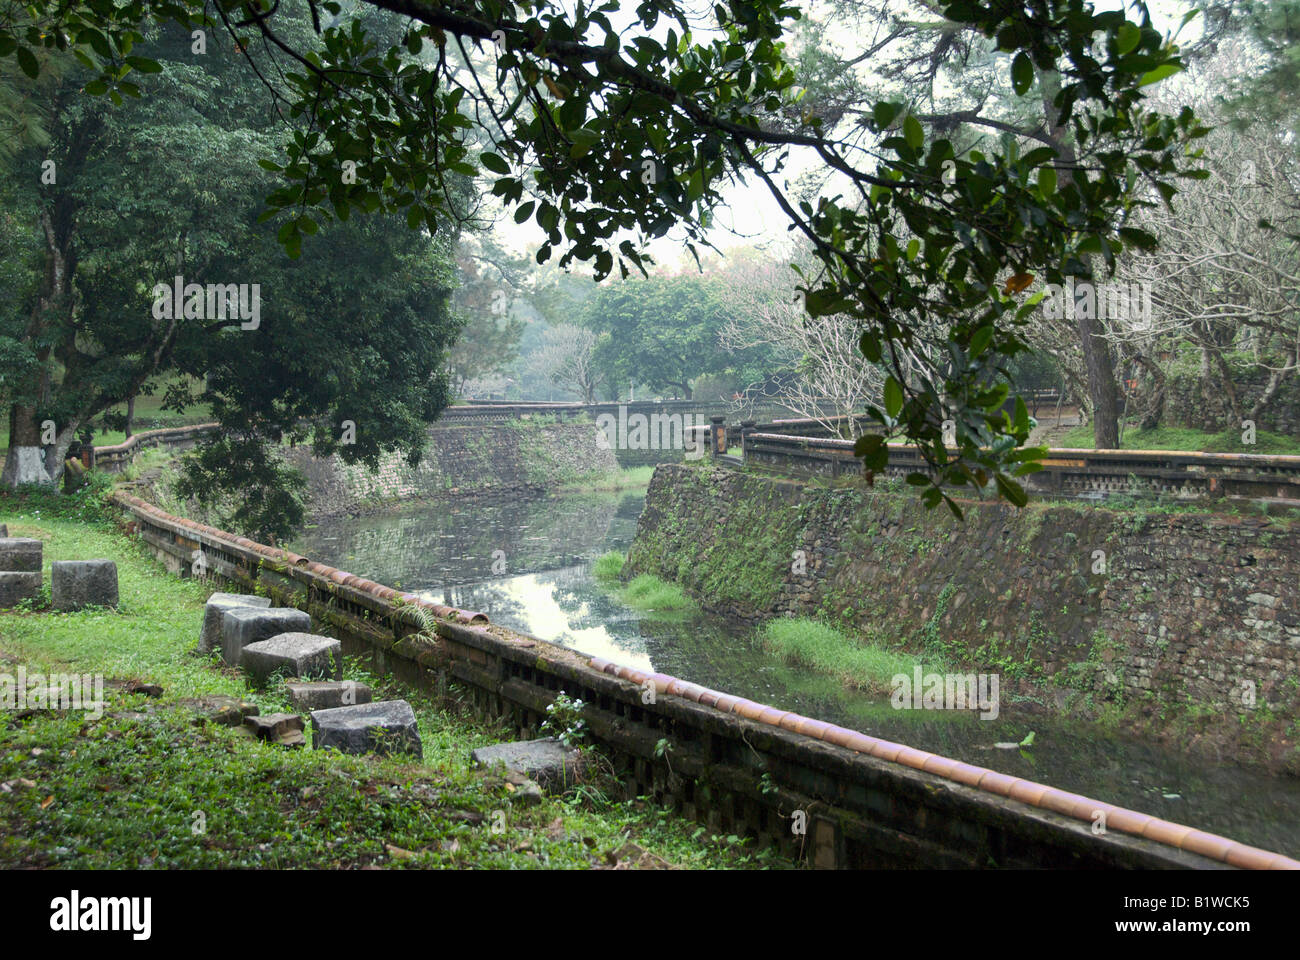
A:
x: 293, y: 655
x: 20, y: 554
x: 16, y: 587
x: 285, y: 729
x: 386, y: 727
x: 75, y: 584
x: 546, y: 761
x: 219, y: 708
x: 241, y: 626
x: 322, y: 695
x: 215, y: 609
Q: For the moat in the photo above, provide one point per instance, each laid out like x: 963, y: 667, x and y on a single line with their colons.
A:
x: 527, y: 564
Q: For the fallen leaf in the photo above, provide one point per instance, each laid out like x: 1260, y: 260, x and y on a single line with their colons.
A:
x: 1018, y: 282
x: 47, y: 801
x: 397, y: 852
x: 556, y: 830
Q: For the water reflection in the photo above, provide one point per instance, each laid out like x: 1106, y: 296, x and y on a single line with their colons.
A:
x: 527, y: 564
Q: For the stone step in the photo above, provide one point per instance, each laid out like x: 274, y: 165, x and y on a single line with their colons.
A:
x: 324, y: 694
x: 20, y: 554
x: 244, y: 625
x: 16, y: 587
x: 285, y: 729
x: 215, y: 609
x: 76, y: 584
x: 546, y: 761
x: 293, y: 654
x: 387, y: 728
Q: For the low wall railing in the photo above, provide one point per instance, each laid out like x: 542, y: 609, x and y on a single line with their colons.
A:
x: 115, y: 457
x: 741, y: 767
x: 1066, y: 472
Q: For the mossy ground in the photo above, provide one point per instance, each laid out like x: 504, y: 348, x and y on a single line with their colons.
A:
x: 149, y: 788
x: 1186, y: 438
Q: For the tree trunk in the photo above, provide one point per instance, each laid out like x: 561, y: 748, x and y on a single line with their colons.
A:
x: 25, y: 460
x: 1102, y: 390
x: 1153, y: 408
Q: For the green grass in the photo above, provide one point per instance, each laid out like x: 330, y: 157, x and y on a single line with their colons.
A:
x: 609, y: 566
x: 1183, y: 438
x: 810, y: 643
x: 126, y: 792
x: 653, y: 595
x: 630, y: 479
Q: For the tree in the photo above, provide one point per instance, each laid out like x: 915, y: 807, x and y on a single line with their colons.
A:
x: 831, y: 378
x: 661, y: 331
x: 1224, y: 279
x: 568, y: 358
x: 610, y: 129
x: 489, y: 340
x: 169, y: 186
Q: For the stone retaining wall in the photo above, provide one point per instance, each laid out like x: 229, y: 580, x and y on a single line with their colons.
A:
x: 1189, y: 609
x: 484, y: 459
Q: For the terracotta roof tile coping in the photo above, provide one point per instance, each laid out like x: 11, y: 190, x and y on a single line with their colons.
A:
x: 1039, y: 795
x: 139, y: 437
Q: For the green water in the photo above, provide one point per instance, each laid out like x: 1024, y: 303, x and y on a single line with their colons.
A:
x: 527, y: 565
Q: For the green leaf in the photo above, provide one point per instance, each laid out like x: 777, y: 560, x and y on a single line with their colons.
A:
x: 583, y: 140
x: 1022, y: 73
x: 493, y: 162
x: 893, y: 397
x: 1159, y: 73
x: 1127, y: 38
x: 28, y: 63
x: 1012, y: 491
x: 884, y: 113
x: 1047, y: 180
x: 96, y: 88
x: 144, y: 64
x: 524, y: 211
x: 913, y: 133
x: 979, y: 341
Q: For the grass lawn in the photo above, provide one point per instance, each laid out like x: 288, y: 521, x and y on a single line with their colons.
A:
x: 1182, y: 438
x: 147, y: 787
